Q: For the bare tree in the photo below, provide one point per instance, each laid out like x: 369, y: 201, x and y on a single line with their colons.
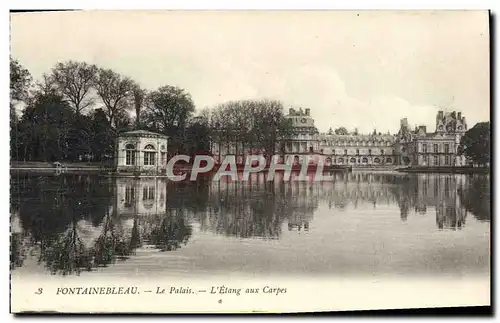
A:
x: 115, y: 91
x: 74, y: 81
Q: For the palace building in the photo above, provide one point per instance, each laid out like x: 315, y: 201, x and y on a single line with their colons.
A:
x: 408, y: 147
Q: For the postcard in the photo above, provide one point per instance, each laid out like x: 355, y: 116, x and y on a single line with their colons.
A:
x: 249, y: 161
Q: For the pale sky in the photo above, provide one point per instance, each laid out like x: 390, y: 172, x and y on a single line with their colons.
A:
x: 364, y: 69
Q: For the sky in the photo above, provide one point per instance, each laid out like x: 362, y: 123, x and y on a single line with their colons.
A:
x: 357, y: 69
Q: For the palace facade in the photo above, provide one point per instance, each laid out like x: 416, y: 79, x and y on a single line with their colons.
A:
x: 408, y: 147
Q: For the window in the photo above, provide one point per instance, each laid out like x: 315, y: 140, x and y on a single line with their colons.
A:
x: 388, y: 160
x: 381, y: 151
x: 129, y: 196
x: 435, y: 159
x: 424, y: 148
x: 148, y: 196
x: 345, y: 151
x: 369, y: 151
x: 353, y: 160
x: 365, y: 160
x: 130, y: 154
x: 357, y: 151
x: 340, y: 160
x: 446, y: 160
x: 149, y: 155
x: 446, y: 148
x: 376, y: 160
x: 435, y: 148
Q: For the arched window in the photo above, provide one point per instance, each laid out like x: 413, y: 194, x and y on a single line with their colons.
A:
x: 130, y: 154
x: 328, y: 161
x: 388, y: 160
x: 365, y: 160
x: 340, y: 160
x: 353, y: 160
x: 149, y: 155
x: 376, y: 160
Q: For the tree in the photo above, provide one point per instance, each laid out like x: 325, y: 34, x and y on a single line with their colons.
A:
x: 44, y: 128
x: 74, y: 81
x: 341, y: 131
x: 114, y: 90
x: 330, y: 131
x: 102, y: 141
x: 20, y: 81
x: 20, y: 86
x: 167, y: 111
x: 139, y: 96
x: 198, y: 135
x: 255, y: 124
x: 475, y: 144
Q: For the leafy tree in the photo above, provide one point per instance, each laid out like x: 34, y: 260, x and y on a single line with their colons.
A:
x: 475, y: 144
x: 20, y: 81
x: 198, y: 136
x: 45, y: 128
x: 167, y: 111
x: 20, y: 85
x: 341, y: 131
x: 254, y: 124
x: 102, y: 141
x: 114, y: 90
x: 74, y: 80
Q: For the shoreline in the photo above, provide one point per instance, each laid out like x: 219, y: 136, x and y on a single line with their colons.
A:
x: 446, y: 170
x: 99, y: 168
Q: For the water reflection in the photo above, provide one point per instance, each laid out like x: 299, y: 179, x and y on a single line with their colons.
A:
x: 79, y: 223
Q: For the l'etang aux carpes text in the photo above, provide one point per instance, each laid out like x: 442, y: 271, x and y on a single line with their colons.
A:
x: 222, y: 289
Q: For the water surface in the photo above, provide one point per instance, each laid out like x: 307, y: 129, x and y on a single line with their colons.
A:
x: 357, y: 224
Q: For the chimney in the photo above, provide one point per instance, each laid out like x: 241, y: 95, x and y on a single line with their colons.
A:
x: 290, y: 111
x: 440, y: 115
x: 308, y: 111
x: 404, y: 123
x: 459, y: 116
x: 423, y: 129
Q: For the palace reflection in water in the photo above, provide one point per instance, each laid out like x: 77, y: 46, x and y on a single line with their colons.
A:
x: 72, y: 223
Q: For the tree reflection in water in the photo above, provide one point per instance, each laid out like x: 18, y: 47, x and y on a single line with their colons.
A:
x: 74, y: 223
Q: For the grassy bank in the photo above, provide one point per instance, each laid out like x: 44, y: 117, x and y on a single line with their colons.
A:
x: 43, y: 165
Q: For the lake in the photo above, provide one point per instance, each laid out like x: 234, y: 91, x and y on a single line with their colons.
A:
x: 372, y: 224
